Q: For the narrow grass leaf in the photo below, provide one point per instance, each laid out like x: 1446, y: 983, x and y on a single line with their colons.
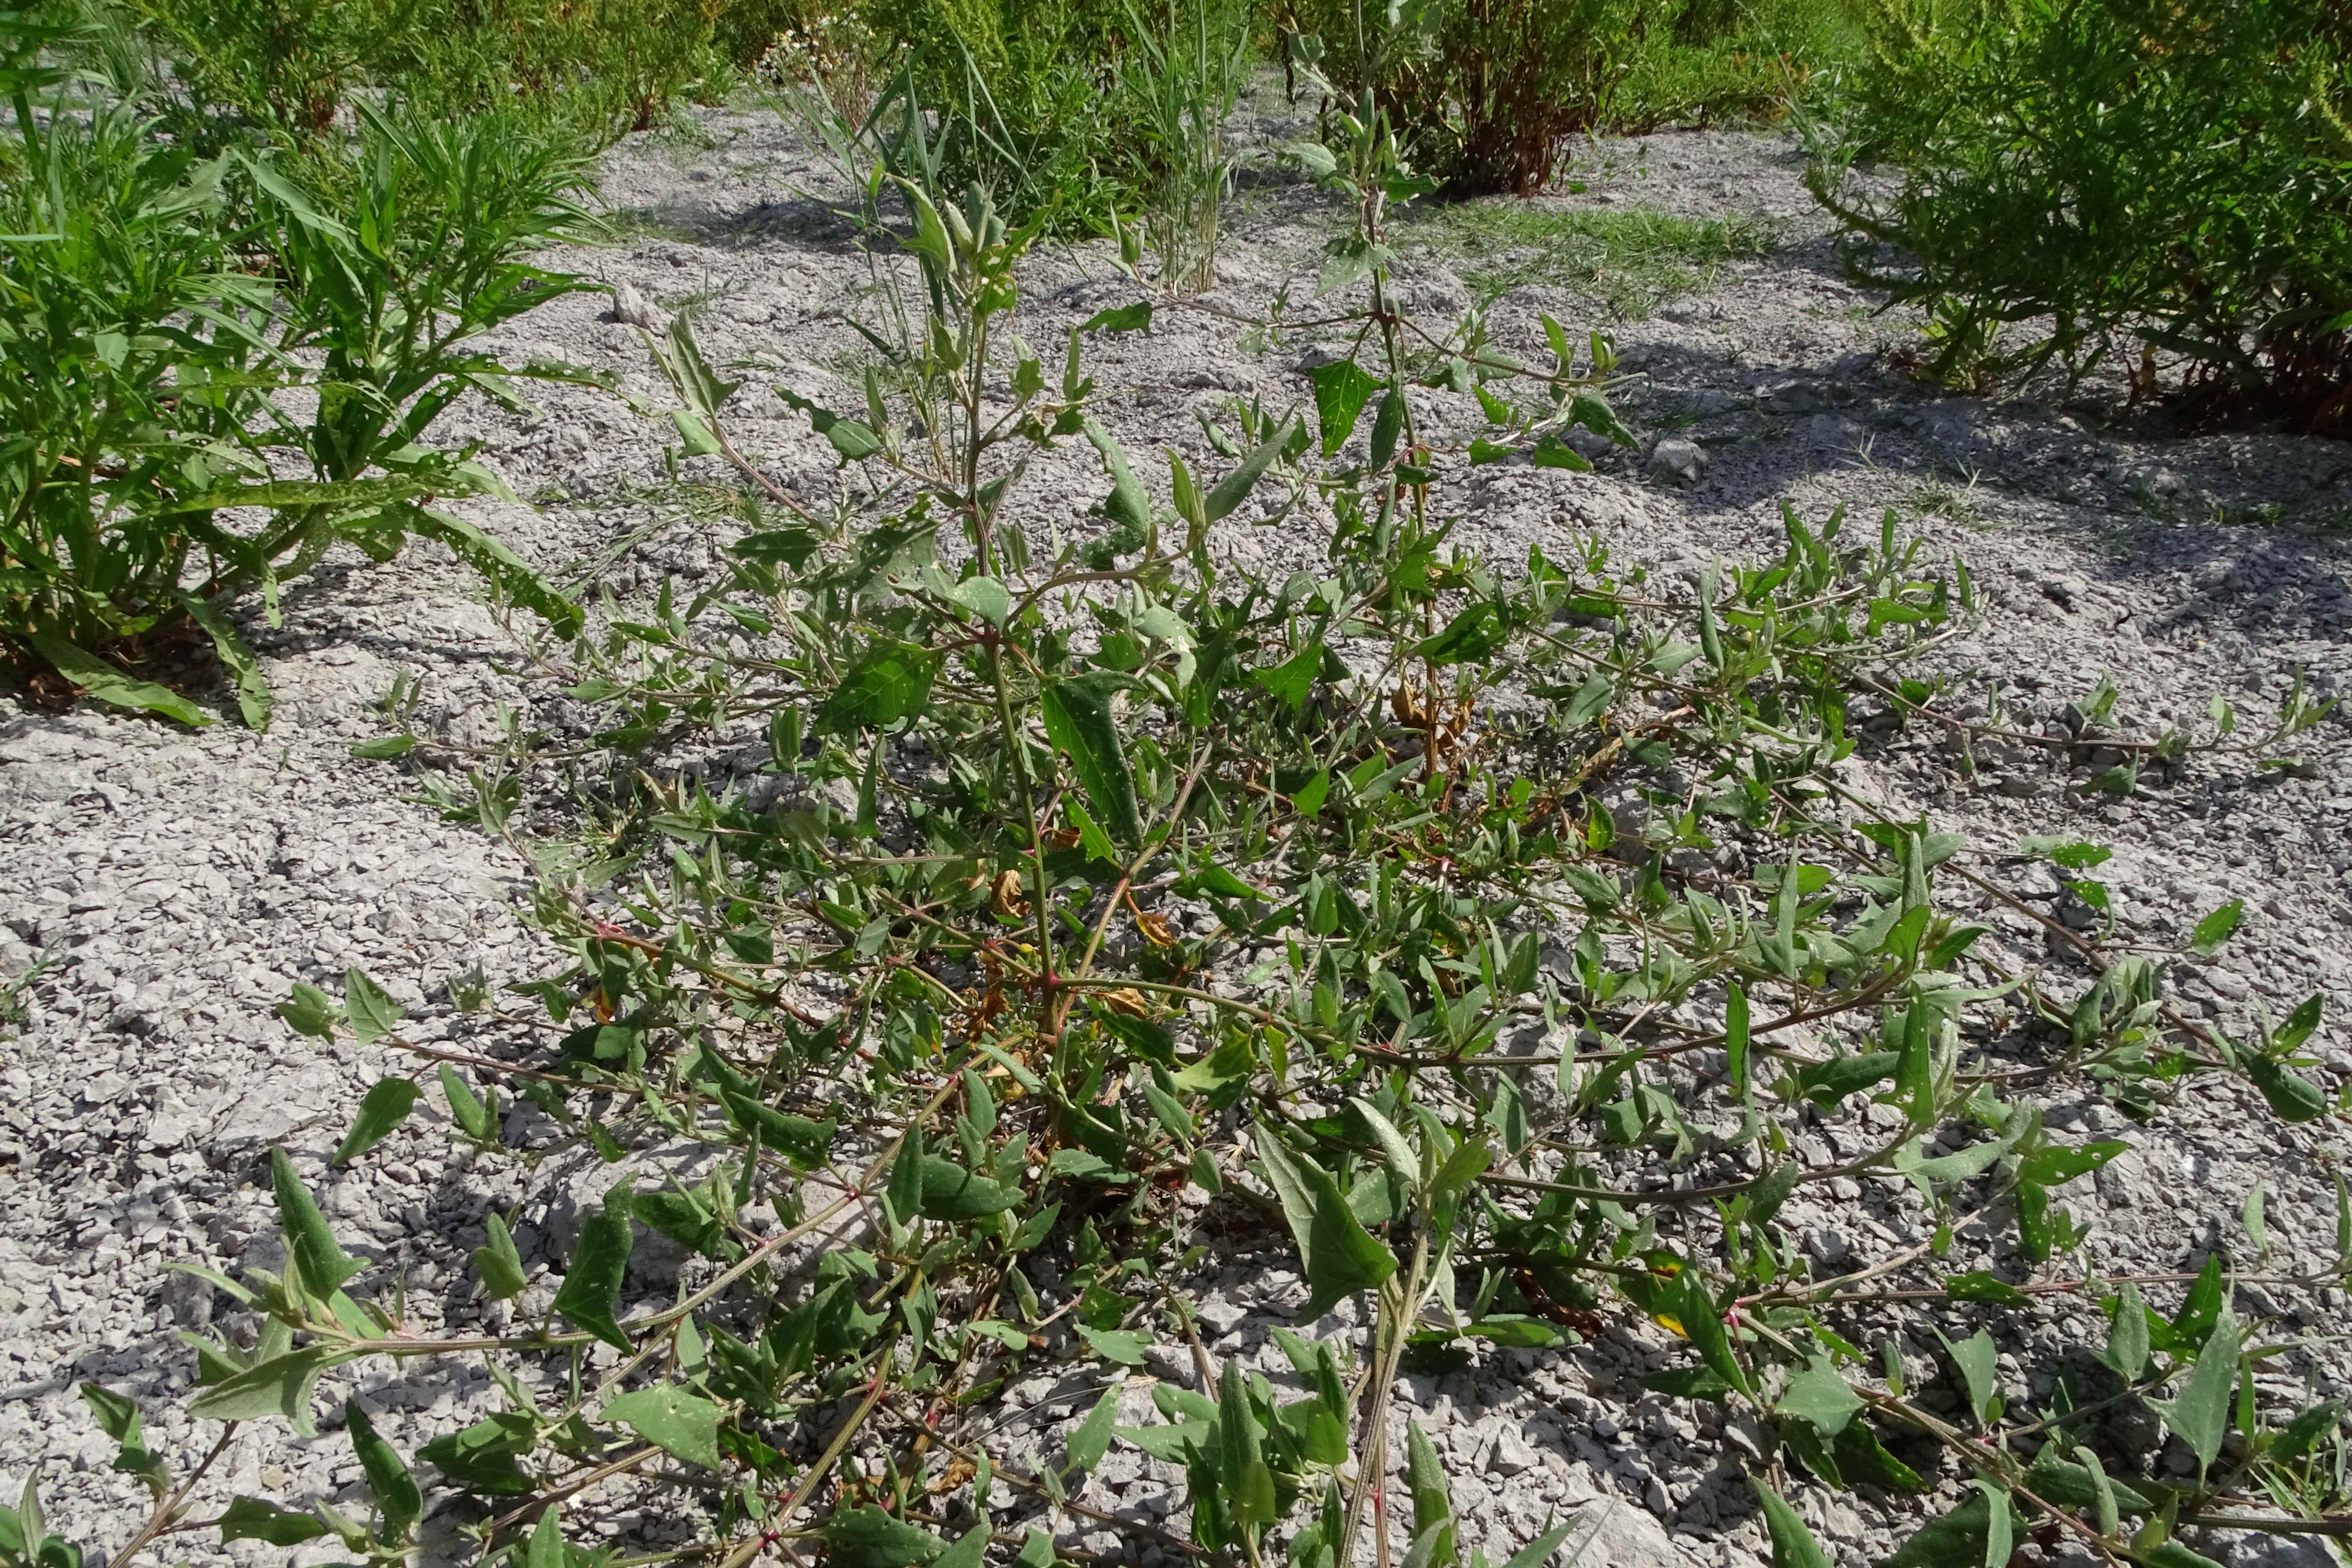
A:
x: 253, y: 698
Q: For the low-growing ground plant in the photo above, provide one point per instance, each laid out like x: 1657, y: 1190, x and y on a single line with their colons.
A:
x: 295, y: 71
x: 2169, y: 181
x: 213, y: 381
x: 1629, y: 260
x: 964, y: 904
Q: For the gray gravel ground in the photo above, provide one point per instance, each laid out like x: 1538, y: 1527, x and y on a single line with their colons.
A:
x: 164, y: 889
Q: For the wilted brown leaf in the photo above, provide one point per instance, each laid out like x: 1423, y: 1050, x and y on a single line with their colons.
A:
x: 1005, y: 897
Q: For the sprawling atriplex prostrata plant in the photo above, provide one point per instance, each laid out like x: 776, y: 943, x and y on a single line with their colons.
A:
x: 182, y: 426
x: 1494, y: 933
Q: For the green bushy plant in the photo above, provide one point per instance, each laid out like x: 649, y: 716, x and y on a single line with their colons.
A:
x: 2081, y: 176
x: 1486, y: 93
x: 181, y: 431
x: 1017, y: 98
x: 1731, y: 61
x: 292, y: 69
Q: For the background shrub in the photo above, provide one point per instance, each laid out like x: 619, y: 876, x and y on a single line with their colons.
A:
x: 1497, y: 87
x: 1022, y: 95
x: 291, y: 68
x: 1494, y: 88
x: 185, y: 336
x: 1730, y: 61
x: 2107, y: 170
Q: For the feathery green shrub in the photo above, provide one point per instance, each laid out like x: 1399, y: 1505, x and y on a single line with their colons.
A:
x: 180, y: 426
x: 2080, y: 175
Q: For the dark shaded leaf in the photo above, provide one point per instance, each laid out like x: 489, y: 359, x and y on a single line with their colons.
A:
x: 110, y: 685
x: 889, y: 682
x: 251, y: 1518
x: 1340, y: 1256
x: 312, y: 1245
x: 952, y: 1192
x: 1957, y: 1539
x: 398, y: 1504
x: 1135, y: 317
x: 866, y: 1537
x: 592, y: 1289
x: 1793, y: 1545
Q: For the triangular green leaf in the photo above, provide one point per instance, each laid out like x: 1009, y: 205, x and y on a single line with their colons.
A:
x: 1342, y: 1257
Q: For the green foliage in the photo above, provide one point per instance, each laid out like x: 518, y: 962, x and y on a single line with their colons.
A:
x: 1486, y: 93
x: 2120, y: 173
x: 1490, y: 93
x: 1178, y: 84
x: 1631, y: 259
x: 1713, y: 62
x: 1018, y: 99
x: 164, y: 393
x: 294, y: 69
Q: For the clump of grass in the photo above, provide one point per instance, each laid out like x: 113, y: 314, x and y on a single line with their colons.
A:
x: 1632, y: 259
